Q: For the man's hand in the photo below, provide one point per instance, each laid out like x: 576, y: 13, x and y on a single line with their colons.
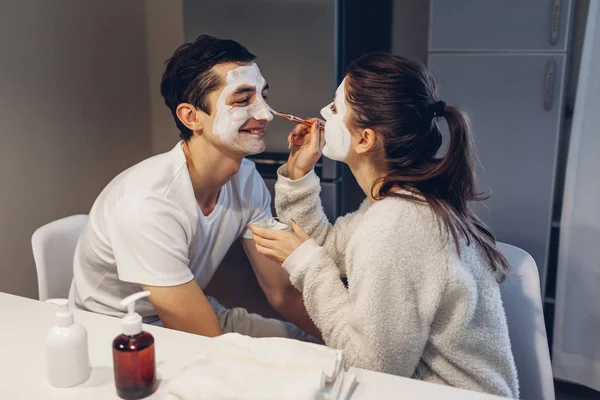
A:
x: 184, y: 308
x: 281, y: 294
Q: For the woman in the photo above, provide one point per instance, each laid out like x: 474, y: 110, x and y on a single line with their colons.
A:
x: 408, y: 284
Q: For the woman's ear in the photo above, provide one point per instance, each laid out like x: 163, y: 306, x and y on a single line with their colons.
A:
x: 187, y: 114
x: 367, y: 141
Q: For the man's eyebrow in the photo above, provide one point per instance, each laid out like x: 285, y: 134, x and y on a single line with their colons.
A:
x: 243, y: 90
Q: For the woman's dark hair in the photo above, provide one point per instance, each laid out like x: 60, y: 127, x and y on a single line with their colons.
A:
x: 398, y: 99
x: 188, y: 77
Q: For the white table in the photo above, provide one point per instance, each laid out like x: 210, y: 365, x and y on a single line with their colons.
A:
x: 25, y: 323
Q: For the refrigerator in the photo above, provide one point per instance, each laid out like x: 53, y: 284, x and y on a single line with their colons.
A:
x: 505, y: 64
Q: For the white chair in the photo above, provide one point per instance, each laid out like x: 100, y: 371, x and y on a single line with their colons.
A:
x: 525, y: 317
x: 53, y: 249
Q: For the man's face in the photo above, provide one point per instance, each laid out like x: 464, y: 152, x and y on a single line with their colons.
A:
x: 239, y: 112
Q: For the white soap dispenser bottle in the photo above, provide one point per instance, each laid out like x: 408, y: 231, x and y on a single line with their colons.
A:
x: 67, y: 357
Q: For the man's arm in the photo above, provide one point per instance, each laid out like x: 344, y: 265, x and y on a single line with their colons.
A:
x: 150, y: 245
x: 281, y: 294
x: 184, y: 308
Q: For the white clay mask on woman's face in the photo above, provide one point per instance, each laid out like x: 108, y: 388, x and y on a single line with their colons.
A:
x: 337, y: 135
x: 229, y: 119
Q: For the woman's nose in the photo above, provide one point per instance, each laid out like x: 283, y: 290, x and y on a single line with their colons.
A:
x: 326, y: 113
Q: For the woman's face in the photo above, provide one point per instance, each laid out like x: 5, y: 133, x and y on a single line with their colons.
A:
x: 338, y: 139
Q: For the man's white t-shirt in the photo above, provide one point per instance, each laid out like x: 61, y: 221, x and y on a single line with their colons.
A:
x: 146, y: 228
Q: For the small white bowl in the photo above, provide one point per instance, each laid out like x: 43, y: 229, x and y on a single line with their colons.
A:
x: 272, y: 223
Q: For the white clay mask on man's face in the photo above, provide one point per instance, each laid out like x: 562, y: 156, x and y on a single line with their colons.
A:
x: 337, y: 135
x: 230, y: 118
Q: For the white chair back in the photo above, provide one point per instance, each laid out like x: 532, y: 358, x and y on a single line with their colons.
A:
x: 524, y: 313
x: 53, y: 249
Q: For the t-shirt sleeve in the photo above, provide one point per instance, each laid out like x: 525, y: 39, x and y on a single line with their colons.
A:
x: 260, y: 204
x: 149, y: 238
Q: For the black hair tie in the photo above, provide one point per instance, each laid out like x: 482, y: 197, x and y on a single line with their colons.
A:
x: 438, y: 109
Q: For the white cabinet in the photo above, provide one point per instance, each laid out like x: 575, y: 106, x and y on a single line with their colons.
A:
x: 504, y: 62
x: 509, y: 25
x: 514, y: 103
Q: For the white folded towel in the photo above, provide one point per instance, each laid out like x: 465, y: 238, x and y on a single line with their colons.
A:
x: 286, y: 351
x: 243, y: 368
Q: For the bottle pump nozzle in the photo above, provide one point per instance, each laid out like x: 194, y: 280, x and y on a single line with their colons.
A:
x: 132, y: 321
x: 64, y: 316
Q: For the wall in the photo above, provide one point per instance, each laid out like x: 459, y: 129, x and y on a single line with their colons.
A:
x: 576, y: 356
x: 74, y: 111
x: 410, y: 29
x: 164, y: 33
x: 580, y: 13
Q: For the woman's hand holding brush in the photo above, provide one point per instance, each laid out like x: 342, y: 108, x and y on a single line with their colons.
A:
x: 306, y: 145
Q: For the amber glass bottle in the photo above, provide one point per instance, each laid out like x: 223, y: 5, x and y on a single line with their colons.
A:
x: 135, y: 365
x: 133, y: 355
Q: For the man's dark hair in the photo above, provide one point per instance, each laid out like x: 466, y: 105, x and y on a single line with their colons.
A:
x: 188, y: 77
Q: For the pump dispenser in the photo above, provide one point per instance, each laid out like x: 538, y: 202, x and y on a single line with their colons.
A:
x: 67, y: 357
x: 133, y: 354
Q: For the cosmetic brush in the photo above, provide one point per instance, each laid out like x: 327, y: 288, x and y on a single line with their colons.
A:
x: 293, y: 118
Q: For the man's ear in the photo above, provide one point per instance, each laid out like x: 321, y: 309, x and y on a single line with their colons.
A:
x: 367, y: 141
x: 188, y: 115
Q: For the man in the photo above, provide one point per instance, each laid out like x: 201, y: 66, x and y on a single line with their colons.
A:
x: 165, y: 224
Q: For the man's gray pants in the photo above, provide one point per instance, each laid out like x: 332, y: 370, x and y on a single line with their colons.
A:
x: 240, y: 321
